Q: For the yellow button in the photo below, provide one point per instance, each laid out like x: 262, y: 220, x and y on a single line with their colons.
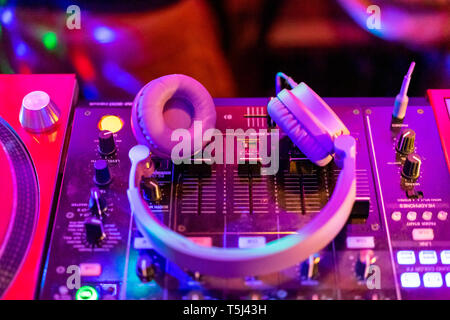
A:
x: 110, y: 123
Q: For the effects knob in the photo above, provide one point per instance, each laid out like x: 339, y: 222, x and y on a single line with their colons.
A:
x: 102, y: 175
x: 97, y: 203
x: 151, y: 190
x: 411, y: 167
x: 406, y: 139
x: 94, y: 230
x: 106, y: 143
x: 38, y: 112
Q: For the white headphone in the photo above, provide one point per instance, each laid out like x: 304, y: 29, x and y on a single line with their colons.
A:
x: 302, y: 115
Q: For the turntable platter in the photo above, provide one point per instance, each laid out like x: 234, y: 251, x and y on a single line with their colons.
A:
x: 18, y: 204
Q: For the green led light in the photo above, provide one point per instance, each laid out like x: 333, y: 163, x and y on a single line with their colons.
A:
x: 50, y: 40
x: 86, y: 293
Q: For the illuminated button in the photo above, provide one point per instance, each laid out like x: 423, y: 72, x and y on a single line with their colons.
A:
x: 411, y: 216
x: 110, y: 123
x: 202, y: 241
x: 396, y: 215
x: 410, y: 280
x: 432, y: 279
x: 447, y: 279
x: 360, y: 242
x: 142, y: 243
x: 445, y: 256
x: 86, y: 293
x: 427, y: 215
x: 421, y: 234
x: 90, y: 269
x: 406, y: 257
x: 251, y: 242
x: 428, y: 257
x: 442, y: 215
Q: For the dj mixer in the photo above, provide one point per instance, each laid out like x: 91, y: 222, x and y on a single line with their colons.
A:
x: 395, y: 243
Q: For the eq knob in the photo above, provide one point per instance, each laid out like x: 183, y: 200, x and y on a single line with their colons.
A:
x: 97, y: 203
x: 411, y: 167
x: 102, y: 175
x: 94, y: 230
x: 405, y: 143
x: 151, y: 190
x: 106, y: 143
x: 38, y: 112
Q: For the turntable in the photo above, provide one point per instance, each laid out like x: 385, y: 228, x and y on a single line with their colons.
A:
x: 34, y: 117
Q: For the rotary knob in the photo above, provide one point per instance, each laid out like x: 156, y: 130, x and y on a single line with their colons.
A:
x: 102, y: 175
x: 411, y: 167
x: 94, y: 230
x: 38, y: 112
x: 106, y: 143
x: 151, y: 190
x: 405, y: 144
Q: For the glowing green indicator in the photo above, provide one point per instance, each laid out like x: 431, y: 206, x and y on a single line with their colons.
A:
x: 86, y: 293
x: 50, y: 40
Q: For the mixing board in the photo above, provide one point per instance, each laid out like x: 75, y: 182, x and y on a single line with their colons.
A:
x: 395, y: 244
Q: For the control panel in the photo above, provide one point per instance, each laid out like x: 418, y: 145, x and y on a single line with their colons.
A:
x: 394, y: 245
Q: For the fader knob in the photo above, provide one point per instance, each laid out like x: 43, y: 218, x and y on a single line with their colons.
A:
x: 106, y: 143
x: 151, y: 190
x: 405, y: 143
x: 102, y: 175
x: 363, y: 263
x: 94, y: 230
x: 411, y: 167
x: 38, y: 113
x: 97, y: 203
x: 145, y: 268
x: 309, y: 269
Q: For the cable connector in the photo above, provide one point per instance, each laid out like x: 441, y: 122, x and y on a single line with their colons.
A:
x: 401, y: 100
x: 289, y: 81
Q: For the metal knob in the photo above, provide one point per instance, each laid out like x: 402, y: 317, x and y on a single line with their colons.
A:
x: 38, y: 113
x: 405, y: 144
x: 411, y: 167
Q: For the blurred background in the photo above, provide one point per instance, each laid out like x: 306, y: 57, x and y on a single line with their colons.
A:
x: 233, y: 47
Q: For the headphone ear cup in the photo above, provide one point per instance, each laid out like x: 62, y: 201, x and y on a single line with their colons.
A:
x: 152, y: 127
x: 295, y: 131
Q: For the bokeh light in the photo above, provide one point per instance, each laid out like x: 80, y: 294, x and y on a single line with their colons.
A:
x: 104, y: 34
x: 50, y: 40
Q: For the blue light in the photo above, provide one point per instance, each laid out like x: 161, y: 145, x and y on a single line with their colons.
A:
x: 21, y: 49
x: 104, y: 34
x: 7, y: 16
x: 121, y: 78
